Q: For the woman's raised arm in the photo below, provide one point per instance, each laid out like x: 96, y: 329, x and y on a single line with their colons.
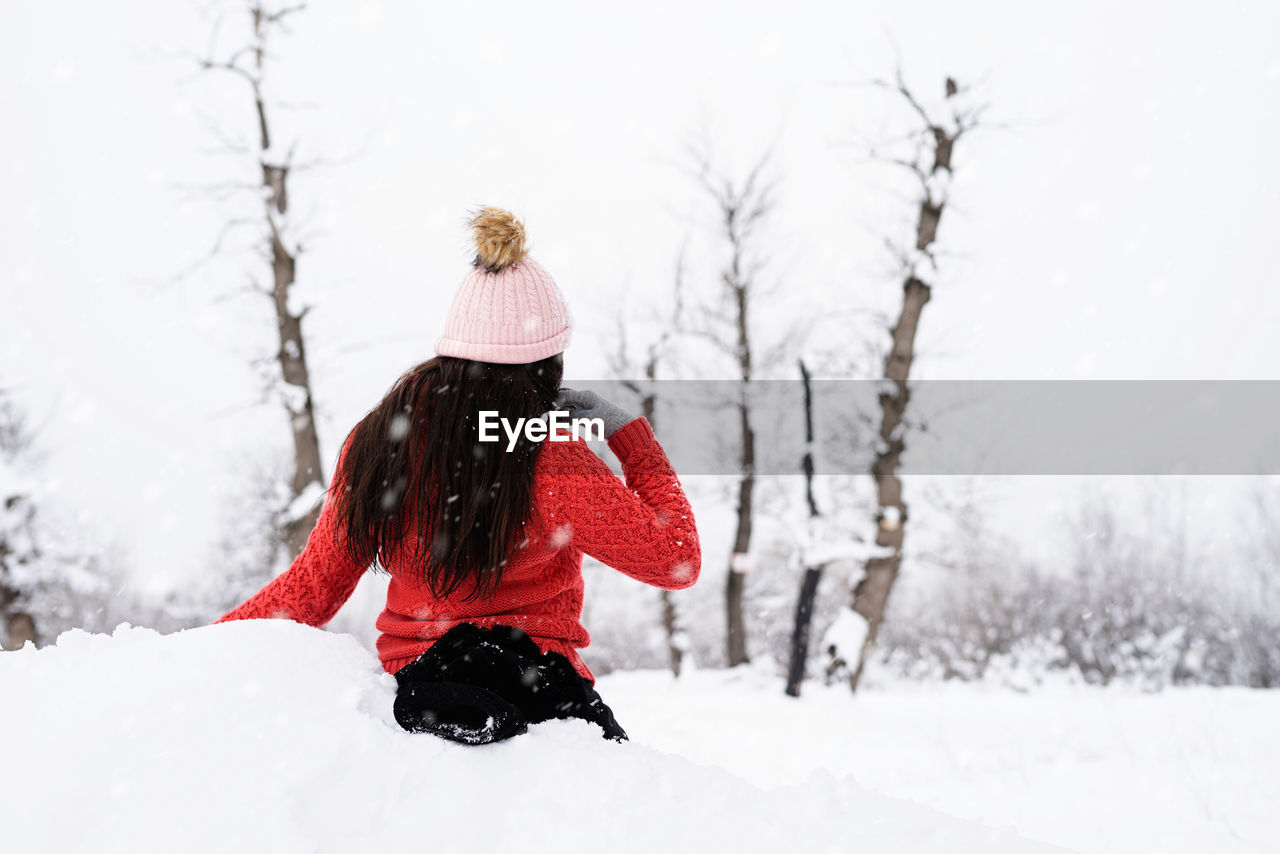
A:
x: 643, y: 528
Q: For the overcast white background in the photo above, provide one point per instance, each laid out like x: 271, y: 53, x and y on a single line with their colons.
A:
x: 1122, y: 225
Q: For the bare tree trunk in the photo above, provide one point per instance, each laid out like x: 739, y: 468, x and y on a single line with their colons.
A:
x: 670, y: 621
x: 871, y: 593
x: 20, y: 628
x: 292, y: 358
x: 738, y: 564
x: 291, y: 355
x: 671, y: 625
x: 20, y: 624
x: 736, y: 582
x: 676, y: 643
x: 813, y: 571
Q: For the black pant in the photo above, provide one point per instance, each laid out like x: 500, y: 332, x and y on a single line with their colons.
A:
x: 477, y: 685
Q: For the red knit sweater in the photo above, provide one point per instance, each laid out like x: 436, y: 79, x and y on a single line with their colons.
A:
x: 644, y: 528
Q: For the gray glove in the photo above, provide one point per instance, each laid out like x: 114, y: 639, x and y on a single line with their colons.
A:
x: 588, y: 404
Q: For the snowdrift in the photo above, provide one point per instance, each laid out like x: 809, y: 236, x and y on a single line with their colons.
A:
x: 271, y: 736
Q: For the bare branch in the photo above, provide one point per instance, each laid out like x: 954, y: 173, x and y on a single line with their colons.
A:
x: 210, y: 65
x: 279, y: 15
x: 215, y: 251
x: 250, y: 287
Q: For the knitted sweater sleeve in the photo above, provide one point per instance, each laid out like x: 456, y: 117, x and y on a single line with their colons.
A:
x: 643, y: 528
x: 318, y: 582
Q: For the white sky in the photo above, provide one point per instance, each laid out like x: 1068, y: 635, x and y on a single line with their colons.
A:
x: 1121, y: 227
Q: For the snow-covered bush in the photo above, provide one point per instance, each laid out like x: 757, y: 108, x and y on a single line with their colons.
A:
x: 1019, y: 627
x: 1133, y: 602
x: 54, y: 574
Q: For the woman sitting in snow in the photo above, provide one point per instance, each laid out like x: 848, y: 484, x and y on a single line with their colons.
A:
x: 484, y: 540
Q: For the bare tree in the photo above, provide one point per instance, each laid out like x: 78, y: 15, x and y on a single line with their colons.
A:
x: 813, y: 571
x: 248, y: 63
x: 741, y: 205
x: 657, y: 349
x: 929, y: 162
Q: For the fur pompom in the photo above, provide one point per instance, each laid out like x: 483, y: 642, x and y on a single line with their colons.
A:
x: 499, y: 239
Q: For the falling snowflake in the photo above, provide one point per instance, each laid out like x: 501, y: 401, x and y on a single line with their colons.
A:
x: 682, y: 572
x: 561, y: 536
x: 398, y: 428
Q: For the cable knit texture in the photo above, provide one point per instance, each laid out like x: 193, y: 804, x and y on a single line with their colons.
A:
x: 644, y: 528
x: 513, y: 316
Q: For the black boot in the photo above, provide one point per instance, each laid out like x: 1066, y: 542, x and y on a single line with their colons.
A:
x: 458, y: 712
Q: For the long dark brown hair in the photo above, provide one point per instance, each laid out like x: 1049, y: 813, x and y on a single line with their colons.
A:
x: 418, y: 486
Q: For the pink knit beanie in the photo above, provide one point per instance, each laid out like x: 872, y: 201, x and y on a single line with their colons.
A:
x: 507, y: 309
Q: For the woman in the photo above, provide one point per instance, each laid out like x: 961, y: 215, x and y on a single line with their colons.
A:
x: 484, y: 540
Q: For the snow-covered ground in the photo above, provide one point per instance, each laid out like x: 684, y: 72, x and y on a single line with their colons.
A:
x: 1089, y: 769
x: 270, y: 736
